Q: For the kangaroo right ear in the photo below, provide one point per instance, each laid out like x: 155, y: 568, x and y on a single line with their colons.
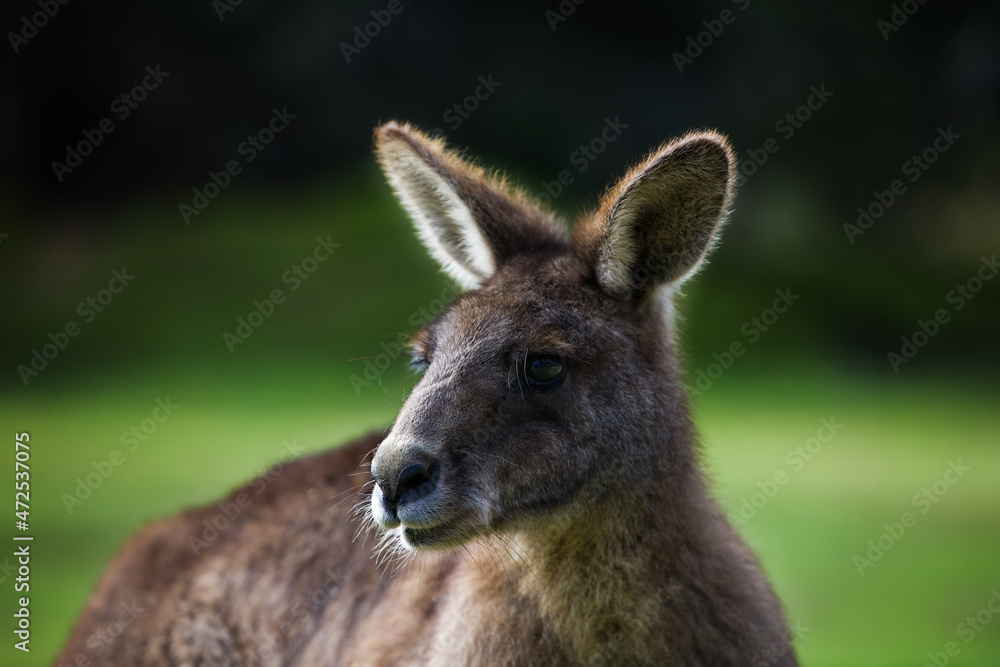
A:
x: 471, y: 223
x: 658, y: 223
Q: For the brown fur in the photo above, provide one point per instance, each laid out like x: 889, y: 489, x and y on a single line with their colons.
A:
x: 559, y: 527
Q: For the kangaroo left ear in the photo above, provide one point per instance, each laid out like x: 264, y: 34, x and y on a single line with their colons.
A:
x: 470, y: 222
x: 657, y: 224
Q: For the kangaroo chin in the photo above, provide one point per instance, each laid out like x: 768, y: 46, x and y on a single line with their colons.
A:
x: 539, y: 499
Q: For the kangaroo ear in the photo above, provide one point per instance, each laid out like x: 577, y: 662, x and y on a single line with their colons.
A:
x: 470, y: 222
x: 656, y: 225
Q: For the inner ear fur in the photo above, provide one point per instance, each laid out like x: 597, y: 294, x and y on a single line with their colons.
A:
x: 470, y: 221
x: 656, y: 225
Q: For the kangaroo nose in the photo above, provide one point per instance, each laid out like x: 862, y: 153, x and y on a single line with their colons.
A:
x: 414, y: 482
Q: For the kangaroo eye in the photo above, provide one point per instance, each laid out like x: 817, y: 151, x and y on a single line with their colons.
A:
x: 545, y: 372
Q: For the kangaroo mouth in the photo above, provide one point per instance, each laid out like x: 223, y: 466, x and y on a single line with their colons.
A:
x: 449, y: 534
x: 421, y: 538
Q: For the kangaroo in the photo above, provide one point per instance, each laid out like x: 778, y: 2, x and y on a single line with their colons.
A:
x: 539, y: 498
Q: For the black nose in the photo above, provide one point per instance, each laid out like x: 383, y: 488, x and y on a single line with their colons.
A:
x: 415, y: 481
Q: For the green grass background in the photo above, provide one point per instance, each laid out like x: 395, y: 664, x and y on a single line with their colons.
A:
x: 291, y: 381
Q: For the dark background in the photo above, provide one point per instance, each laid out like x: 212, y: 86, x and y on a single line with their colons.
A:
x: 938, y: 70
x: 305, y: 374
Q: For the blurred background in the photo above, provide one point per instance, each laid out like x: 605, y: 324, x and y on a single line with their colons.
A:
x: 169, y: 165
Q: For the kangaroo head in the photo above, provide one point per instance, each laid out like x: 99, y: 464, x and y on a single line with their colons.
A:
x: 550, y: 387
